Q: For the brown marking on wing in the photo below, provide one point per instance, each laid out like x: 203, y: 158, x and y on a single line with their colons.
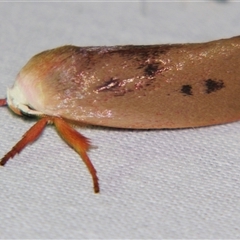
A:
x: 213, y: 85
x: 186, y: 90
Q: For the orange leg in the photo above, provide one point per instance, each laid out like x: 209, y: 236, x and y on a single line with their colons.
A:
x: 79, y: 143
x: 30, y: 136
x: 74, y: 139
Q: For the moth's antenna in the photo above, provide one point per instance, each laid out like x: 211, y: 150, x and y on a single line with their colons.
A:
x: 3, y: 102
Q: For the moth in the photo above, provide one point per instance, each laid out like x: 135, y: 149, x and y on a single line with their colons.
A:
x: 134, y: 87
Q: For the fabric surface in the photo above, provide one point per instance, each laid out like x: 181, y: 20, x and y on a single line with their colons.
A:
x: 154, y: 184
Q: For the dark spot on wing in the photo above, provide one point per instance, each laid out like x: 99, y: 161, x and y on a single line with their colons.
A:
x: 186, y: 90
x: 151, y: 70
x: 213, y: 85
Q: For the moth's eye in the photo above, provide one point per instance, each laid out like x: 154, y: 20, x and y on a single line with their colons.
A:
x: 28, y: 111
x: 28, y: 115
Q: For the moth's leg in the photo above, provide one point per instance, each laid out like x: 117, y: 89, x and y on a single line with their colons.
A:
x: 79, y: 143
x: 30, y: 136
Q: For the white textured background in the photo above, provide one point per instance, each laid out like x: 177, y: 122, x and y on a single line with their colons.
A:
x: 154, y: 184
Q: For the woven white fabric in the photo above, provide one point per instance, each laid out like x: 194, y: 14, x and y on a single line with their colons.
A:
x: 154, y: 184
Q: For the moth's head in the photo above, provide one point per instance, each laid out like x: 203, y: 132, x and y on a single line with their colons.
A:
x: 28, y: 94
x: 17, y: 100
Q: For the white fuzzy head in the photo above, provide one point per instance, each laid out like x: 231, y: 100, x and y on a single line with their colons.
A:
x: 17, y: 101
